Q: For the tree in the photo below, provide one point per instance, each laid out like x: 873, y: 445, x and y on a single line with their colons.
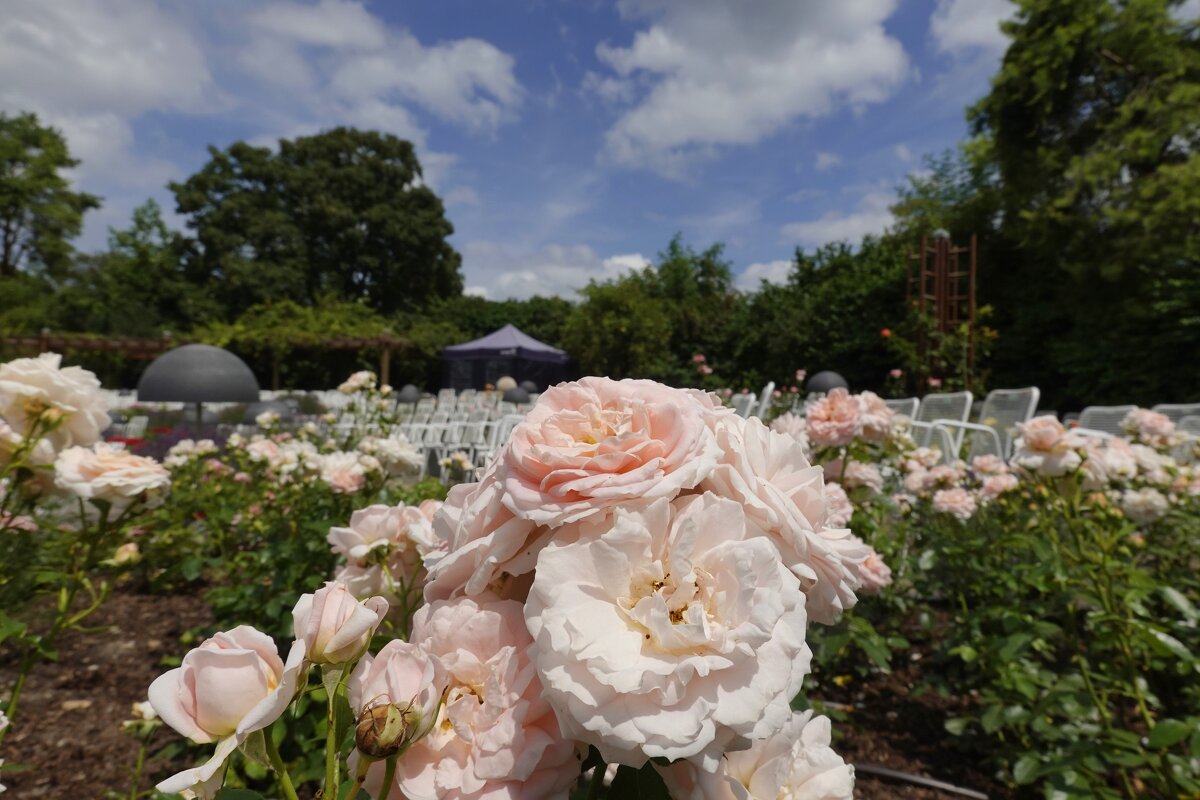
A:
x: 142, y: 269
x: 39, y: 213
x: 1093, y: 128
x: 344, y: 212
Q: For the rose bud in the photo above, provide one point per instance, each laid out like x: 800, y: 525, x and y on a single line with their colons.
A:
x: 395, y: 696
x: 336, y: 627
x: 384, y: 731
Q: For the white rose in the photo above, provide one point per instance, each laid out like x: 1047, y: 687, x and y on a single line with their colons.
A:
x: 675, y: 633
x: 110, y: 473
x: 30, y: 384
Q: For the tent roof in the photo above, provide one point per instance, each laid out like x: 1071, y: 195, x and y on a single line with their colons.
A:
x: 507, y: 341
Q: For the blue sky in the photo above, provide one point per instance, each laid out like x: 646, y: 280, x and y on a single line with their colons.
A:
x: 570, y: 139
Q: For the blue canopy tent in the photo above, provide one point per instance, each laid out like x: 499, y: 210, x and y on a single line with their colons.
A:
x: 507, y: 351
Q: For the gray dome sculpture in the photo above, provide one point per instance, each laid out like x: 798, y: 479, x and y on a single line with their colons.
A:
x: 197, y: 373
x: 825, y: 382
x: 529, y: 386
x: 408, y: 394
x: 516, y: 395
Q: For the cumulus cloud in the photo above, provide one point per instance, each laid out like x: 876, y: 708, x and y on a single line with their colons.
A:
x: 964, y: 26
x: 709, y: 73
x: 770, y: 271
x: 872, y: 215
x: 903, y: 152
x: 826, y: 161
x: 96, y: 69
x: 499, y: 271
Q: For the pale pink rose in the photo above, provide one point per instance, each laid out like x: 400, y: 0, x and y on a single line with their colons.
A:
x: 1145, y: 505
x: 795, y: 764
x: 346, y: 473
x: 1045, y: 447
x: 586, y: 447
x: 896, y: 374
x: 781, y: 494
x: 935, y: 383
x: 834, y: 420
x: 1151, y: 465
x: 1149, y: 426
x: 29, y: 385
x: 109, y: 473
x: 793, y: 425
x: 264, y: 450
x: 801, y: 374
x: 876, y: 575
x: 838, y: 505
x: 496, y: 737
x: 989, y: 465
x: 940, y: 476
x: 242, y: 477
x: 675, y: 633
x: 230, y: 686
x: 16, y: 522
x: 404, y: 675
x: 922, y: 458
x: 861, y: 473
x: 334, y: 625
x: 958, y: 502
x: 916, y: 481
x: 877, y: 418
x: 359, y: 381
x: 996, y: 485
x: 484, y: 544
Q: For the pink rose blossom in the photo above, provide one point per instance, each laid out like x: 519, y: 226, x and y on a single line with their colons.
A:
x: 875, y: 573
x: 495, y: 737
x: 877, y: 418
x: 400, y: 674
x: 109, y: 473
x: 958, y: 502
x: 230, y: 686
x: 840, y: 509
x: 860, y: 473
x: 935, y: 383
x: 676, y: 633
x: 334, y: 625
x: 598, y: 443
x: 996, y: 485
x: 896, y: 374
x: 1045, y: 447
x: 834, y: 420
x: 395, y: 538
x: 989, y: 465
x: 1149, y: 426
x: 16, y: 522
x: 795, y: 764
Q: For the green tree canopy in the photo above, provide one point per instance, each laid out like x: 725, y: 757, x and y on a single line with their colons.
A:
x: 344, y: 212
x: 39, y: 212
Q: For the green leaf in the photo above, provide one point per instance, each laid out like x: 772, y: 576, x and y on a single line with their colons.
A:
x: 956, y: 725
x: 238, y: 794
x: 1026, y: 769
x: 1179, y: 601
x: 1169, y: 732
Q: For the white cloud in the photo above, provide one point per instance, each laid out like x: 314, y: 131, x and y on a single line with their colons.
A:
x: 903, y: 152
x: 960, y: 26
x: 726, y: 72
x: 825, y: 161
x: 500, y: 271
x: 872, y: 216
x: 461, y: 196
x: 770, y: 271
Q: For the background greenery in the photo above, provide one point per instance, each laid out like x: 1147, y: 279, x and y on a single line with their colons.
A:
x: 1078, y: 179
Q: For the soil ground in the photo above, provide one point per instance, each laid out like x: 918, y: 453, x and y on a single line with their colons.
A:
x: 68, y: 733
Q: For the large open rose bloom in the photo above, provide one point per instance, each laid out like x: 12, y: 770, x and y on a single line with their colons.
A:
x: 30, y: 384
x: 675, y: 633
x: 110, y: 473
x: 795, y: 764
x: 230, y: 686
x: 784, y: 496
x: 496, y: 737
x: 397, y: 538
x: 1046, y: 448
x: 834, y: 420
x: 589, y: 446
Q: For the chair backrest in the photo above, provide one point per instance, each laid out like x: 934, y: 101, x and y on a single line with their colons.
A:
x: 1104, y: 418
x: 925, y: 434
x: 743, y: 404
x: 1177, y: 411
x: 904, y: 405
x: 505, y: 408
x: 764, y: 400
x: 136, y: 427
x: 426, y: 405
x: 948, y: 405
x: 1003, y: 410
x: 1189, y: 424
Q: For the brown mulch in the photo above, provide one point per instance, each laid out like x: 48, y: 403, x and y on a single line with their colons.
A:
x: 67, y: 731
x: 68, y: 728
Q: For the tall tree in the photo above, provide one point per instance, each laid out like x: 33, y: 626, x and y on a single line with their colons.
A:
x: 1093, y: 125
x: 39, y: 212
x: 344, y: 212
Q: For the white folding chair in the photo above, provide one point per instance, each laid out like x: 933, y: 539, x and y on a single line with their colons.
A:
x: 764, y: 401
x: 1104, y: 418
x: 743, y: 404
x: 943, y: 407
x: 1002, y: 411
x: 905, y: 406
x: 1177, y: 411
